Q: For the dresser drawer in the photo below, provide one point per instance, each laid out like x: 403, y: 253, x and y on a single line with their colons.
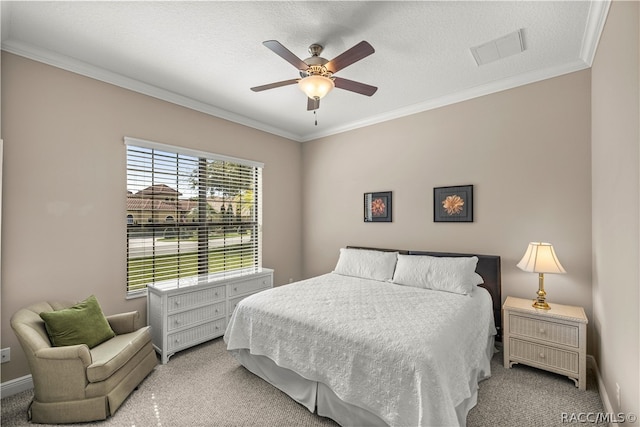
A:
x: 196, y: 335
x: 195, y: 298
x: 182, y: 316
x: 543, y: 355
x: 233, y: 303
x: 249, y: 286
x: 196, y: 315
x: 556, y: 333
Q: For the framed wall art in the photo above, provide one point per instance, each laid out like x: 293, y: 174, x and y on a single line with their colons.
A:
x: 453, y: 204
x: 377, y: 207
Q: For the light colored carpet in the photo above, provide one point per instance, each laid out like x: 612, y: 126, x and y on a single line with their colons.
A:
x: 527, y: 397
x: 205, y: 386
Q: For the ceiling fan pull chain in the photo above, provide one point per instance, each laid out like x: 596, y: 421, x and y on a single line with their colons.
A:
x: 315, y: 113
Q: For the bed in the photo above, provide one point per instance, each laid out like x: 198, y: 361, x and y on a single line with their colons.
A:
x: 389, y: 338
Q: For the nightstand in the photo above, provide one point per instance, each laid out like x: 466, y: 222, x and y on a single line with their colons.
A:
x: 554, y: 340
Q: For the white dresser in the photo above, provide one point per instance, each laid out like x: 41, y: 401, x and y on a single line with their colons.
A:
x: 182, y: 316
x: 554, y: 340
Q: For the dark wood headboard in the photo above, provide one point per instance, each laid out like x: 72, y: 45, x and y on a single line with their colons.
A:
x: 488, y: 267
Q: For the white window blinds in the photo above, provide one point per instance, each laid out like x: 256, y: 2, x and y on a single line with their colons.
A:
x: 190, y: 215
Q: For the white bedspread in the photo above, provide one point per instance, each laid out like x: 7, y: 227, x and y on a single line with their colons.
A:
x: 407, y: 355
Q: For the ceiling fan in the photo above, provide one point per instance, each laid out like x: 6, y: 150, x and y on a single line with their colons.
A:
x: 316, y: 73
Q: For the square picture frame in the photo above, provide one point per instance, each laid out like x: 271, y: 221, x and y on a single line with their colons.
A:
x: 453, y: 204
x: 377, y: 206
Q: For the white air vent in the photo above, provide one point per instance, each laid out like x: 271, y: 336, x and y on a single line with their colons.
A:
x: 499, y: 48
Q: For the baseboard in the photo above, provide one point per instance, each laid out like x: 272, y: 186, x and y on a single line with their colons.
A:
x: 16, y: 386
x: 608, y: 409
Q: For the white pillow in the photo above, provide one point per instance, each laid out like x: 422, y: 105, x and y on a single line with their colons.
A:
x: 450, y: 274
x: 367, y: 264
x: 477, y: 279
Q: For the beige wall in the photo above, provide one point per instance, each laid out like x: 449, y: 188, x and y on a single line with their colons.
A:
x: 616, y: 205
x: 525, y: 150
x: 64, y: 198
x: 528, y: 152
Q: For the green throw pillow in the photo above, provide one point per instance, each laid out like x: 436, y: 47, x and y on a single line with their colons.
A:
x: 83, y: 323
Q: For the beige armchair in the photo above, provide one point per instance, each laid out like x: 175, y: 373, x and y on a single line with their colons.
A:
x: 77, y: 384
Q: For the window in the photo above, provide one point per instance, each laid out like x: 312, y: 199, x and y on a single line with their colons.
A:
x: 191, y: 216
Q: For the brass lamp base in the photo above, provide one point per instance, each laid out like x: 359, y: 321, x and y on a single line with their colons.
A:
x: 541, y: 305
x: 540, y: 301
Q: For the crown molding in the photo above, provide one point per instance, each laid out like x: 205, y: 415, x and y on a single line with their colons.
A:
x: 464, y: 95
x: 598, y: 11
x: 595, y: 24
x: 596, y: 19
x: 88, y: 70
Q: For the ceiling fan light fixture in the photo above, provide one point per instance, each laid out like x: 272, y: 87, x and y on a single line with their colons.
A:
x: 315, y: 86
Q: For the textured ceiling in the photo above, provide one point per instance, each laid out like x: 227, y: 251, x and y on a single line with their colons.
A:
x: 207, y: 54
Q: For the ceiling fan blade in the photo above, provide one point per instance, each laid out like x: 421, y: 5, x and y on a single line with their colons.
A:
x: 348, y: 57
x: 357, y: 87
x: 274, y: 85
x: 313, y: 104
x: 285, y: 54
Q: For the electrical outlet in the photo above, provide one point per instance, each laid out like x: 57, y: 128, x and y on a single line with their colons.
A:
x: 618, y: 394
x: 5, y: 355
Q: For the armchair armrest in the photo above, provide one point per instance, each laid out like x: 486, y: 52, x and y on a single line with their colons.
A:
x: 69, y: 352
x: 65, y: 366
x: 123, y: 323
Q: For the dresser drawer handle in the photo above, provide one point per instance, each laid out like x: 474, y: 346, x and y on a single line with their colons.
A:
x: 216, y: 294
x: 542, y: 331
x: 177, y: 322
x: 177, y: 302
x: 541, y: 355
x: 235, y: 289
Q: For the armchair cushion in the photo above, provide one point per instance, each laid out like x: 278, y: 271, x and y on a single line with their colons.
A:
x: 113, y: 354
x: 83, y: 323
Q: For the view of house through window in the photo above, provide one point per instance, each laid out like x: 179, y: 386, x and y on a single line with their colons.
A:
x: 190, y: 216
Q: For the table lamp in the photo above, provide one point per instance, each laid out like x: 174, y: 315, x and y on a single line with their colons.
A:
x: 540, y: 258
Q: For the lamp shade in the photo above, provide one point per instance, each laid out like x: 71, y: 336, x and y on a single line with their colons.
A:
x: 315, y: 86
x: 540, y: 258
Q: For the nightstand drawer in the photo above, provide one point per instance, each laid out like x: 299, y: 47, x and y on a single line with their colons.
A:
x: 554, y: 340
x: 543, y: 355
x: 557, y: 333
